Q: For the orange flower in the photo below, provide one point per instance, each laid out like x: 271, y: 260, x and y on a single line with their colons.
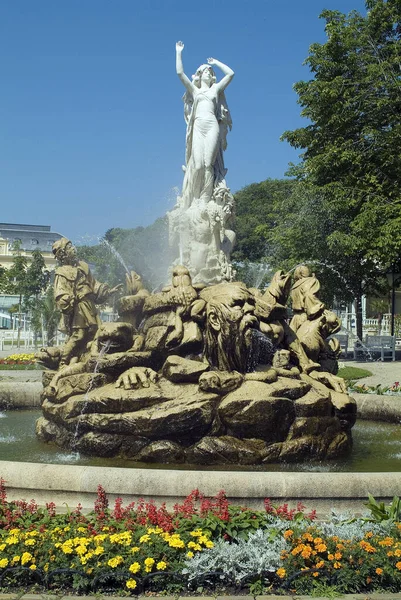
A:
x: 379, y: 571
x: 288, y: 533
x: 320, y: 564
x: 330, y: 556
x: 337, y: 565
x: 315, y: 574
x: 338, y: 555
x: 398, y: 565
x: 281, y: 573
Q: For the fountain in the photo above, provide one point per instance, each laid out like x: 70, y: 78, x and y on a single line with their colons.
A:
x: 203, y: 372
x: 206, y: 371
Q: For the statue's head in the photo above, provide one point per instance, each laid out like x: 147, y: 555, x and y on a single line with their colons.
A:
x: 64, y: 251
x: 204, y: 73
x: 230, y: 321
x: 301, y: 271
x: 181, y: 276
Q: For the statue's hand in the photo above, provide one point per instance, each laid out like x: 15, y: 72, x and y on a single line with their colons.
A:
x: 211, y: 61
x: 116, y: 288
x: 179, y: 46
x: 136, y: 377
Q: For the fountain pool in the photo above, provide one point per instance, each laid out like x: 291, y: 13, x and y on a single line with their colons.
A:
x: 376, y: 447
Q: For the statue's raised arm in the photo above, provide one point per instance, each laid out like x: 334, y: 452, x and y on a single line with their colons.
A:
x: 228, y: 73
x: 179, y: 47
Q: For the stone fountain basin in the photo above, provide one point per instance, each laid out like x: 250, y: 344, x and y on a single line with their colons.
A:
x: 71, y: 484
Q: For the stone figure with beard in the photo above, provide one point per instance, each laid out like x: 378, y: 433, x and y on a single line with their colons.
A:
x: 230, y: 321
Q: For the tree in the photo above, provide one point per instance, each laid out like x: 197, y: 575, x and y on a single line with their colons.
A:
x: 353, y: 142
x: 305, y: 234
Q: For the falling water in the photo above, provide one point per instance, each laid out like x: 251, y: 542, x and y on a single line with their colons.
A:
x: 103, y: 351
x: 261, y: 351
x: 115, y: 253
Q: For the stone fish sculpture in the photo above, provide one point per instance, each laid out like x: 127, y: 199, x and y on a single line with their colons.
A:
x: 202, y: 375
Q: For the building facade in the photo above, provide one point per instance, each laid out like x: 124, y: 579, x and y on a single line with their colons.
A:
x: 31, y: 237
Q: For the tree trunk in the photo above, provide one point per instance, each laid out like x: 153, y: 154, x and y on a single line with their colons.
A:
x: 358, y: 310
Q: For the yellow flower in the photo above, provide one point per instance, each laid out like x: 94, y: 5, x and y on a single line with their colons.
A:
x: 281, y: 573
x: 114, y: 562
x: 131, y: 584
x: 33, y: 567
x: 134, y: 549
x: 12, y: 539
x: 100, y: 537
x: 145, y: 538
x: 81, y: 529
x: 161, y: 565
x: 191, y: 544
x: 98, y: 550
x: 30, y: 542
x: 81, y: 550
x: 149, y: 562
x: 16, y: 559
x: 135, y: 567
x: 14, y: 531
x: 209, y: 544
x: 27, y: 556
x: 190, y: 554
x: 2, y: 547
x: 196, y: 533
x: 3, y: 563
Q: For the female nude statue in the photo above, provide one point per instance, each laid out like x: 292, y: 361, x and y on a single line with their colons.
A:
x: 208, y: 118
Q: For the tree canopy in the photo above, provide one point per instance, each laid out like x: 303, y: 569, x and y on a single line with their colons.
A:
x: 352, y: 144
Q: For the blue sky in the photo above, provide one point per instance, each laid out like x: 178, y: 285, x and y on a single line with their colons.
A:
x: 92, y: 132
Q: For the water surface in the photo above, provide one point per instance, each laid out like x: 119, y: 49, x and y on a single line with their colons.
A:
x: 377, y: 448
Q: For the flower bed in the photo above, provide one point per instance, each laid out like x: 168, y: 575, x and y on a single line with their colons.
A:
x: 362, y: 388
x: 201, y: 545
x: 19, y: 361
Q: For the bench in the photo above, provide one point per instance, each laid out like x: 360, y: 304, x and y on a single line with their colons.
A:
x: 343, y: 341
x: 376, y: 344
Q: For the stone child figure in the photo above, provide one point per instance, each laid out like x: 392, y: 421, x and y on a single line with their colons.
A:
x: 76, y: 293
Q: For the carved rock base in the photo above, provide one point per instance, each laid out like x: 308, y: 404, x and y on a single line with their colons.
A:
x: 257, y: 423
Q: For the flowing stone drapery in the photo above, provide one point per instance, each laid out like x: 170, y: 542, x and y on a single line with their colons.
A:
x: 200, y: 223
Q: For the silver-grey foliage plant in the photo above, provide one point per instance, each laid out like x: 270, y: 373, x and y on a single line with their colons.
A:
x: 236, y: 561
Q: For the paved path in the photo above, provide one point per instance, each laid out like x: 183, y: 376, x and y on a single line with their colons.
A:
x: 99, y: 596
x: 383, y: 373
